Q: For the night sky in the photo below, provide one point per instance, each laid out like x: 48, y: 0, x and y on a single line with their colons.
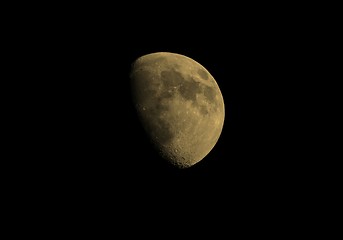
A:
x: 92, y: 150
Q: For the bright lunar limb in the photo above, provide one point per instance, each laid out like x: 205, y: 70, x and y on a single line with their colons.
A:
x: 179, y: 104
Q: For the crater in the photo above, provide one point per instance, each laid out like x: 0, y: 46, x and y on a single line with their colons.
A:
x: 203, y: 74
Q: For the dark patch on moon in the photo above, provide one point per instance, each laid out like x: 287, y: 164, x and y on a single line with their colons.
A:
x: 203, y: 74
x: 210, y: 94
x: 171, y: 79
x: 188, y: 90
x: 167, y: 94
x: 174, y: 80
x: 203, y: 110
x: 160, y: 106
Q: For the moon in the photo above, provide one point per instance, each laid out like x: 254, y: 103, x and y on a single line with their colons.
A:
x: 179, y: 105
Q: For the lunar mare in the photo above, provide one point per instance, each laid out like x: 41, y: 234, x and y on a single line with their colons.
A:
x: 179, y: 104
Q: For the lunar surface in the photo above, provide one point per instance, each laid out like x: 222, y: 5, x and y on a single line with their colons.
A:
x: 179, y: 105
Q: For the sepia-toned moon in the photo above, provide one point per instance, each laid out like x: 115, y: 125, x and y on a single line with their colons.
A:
x: 179, y: 105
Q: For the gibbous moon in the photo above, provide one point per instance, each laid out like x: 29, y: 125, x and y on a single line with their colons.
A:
x: 179, y: 105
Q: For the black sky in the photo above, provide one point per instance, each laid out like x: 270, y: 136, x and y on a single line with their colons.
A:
x: 90, y: 147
